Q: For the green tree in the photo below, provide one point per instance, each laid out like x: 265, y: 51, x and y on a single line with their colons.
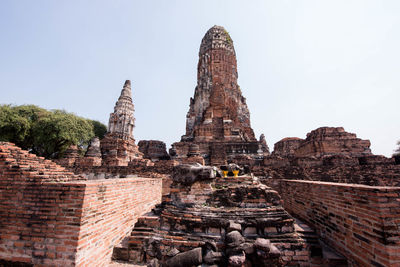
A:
x: 16, y: 123
x: 46, y: 133
x: 99, y: 129
x: 54, y: 133
x: 13, y: 127
x: 32, y: 114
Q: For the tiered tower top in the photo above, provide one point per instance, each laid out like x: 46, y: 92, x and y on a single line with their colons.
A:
x: 216, y: 37
x: 122, y: 121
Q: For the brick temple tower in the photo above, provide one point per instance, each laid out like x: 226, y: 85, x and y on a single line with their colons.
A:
x: 218, y: 119
x: 118, y: 146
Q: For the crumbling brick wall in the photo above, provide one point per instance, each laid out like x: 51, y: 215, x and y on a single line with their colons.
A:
x: 39, y: 211
x: 39, y: 223
x: 48, y: 216
x: 361, y: 222
x: 109, y: 211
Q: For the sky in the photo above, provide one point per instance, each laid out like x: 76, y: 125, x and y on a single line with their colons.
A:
x: 301, y: 64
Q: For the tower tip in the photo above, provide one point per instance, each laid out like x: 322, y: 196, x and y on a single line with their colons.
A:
x: 127, y: 83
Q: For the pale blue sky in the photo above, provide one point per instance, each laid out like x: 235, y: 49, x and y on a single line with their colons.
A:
x: 302, y: 64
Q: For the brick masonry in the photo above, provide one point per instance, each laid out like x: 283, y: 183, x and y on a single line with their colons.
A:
x: 359, y: 221
x: 48, y: 216
x: 109, y: 211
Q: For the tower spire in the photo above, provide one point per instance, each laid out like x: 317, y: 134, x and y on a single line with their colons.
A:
x: 126, y: 91
x: 118, y: 146
x: 218, y: 120
x: 218, y: 100
x: 122, y: 121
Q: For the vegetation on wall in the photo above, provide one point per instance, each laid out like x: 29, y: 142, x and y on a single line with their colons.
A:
x: 228, y: 37
x: 46, y: 133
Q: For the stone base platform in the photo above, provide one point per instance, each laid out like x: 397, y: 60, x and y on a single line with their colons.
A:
x: 230, y: 219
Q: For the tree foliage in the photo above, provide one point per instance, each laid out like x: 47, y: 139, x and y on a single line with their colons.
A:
x: 54, y: 133
x: 397, y: 151
x: 99, y: 129
x: 46, y: 133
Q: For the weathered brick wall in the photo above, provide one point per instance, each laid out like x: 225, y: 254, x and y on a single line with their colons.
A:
x: 361, y: 222
x: 39, y: 223
x: 109, y: 212
x: 71, y: 223
x: 159, y: 169
x: 39, y: 212
x: 368, y: 170
x: 51, y: 217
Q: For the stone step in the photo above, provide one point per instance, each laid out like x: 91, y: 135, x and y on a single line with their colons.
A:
x: 138, y: 240
x: 331, y: 257
x: 321, y: 254
x: 143, y: 229
x: 310, y: 239
x: 129, y: 257
x: 149, y: 216
x: 118, y: 263
x: 306, y: 233
x: 121, y: 251
x: 133, y: 239
x: 142, y: 232
x: 120, y: 254
x: 128, y: 251
x: 148, y: 221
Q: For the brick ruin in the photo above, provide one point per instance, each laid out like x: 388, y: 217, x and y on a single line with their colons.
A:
x: 153, y: 149
x: 52, y: 217
x: 218, y: 120
x: 328, y: 154
x: 118, y: 145
x: 325, y: 200
x: 323, y: 141
x: 211, y: 220
x: 361, y: 222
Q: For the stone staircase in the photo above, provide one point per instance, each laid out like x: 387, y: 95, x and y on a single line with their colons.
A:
x: 321, y: 254
x: 192, y: 216
x: 127, y: 253
x: 130, y: 249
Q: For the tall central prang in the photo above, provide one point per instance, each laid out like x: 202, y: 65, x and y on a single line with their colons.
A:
x: 218, y: 120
